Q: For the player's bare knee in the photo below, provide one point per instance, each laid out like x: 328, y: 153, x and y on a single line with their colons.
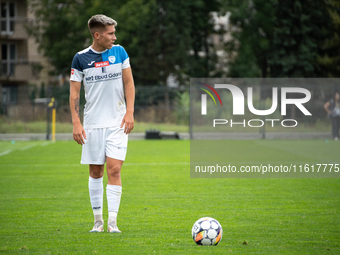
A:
x: 113, y: 176
x: 96, y: 171
x: 114, y: 171
x: 96, y: 175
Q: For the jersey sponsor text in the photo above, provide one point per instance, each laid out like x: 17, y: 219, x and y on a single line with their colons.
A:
x: 103, y: 77
x: 101, y: 64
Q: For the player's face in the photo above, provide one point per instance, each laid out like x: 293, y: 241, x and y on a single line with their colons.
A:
x: 337, y: 96
x: 107, y: 37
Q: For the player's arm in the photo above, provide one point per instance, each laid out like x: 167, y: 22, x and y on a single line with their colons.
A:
x: 326, y: 107
x: 78, y: 131
x: 129, y: 86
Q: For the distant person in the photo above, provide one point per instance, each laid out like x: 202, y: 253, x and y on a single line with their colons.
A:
x: 104, y: 69
x: 332, y: 107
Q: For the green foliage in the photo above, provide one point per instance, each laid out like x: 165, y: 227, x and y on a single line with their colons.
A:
x: 245, y: 65
x: 201, y: 27
x: 59, y: 30
x: 182, y: 108
x: 329, y: 60
x: 298, y: 35
x: 158, y: 45
x: 158, y: 35
x: 253, y: 26
x: 278, y: 38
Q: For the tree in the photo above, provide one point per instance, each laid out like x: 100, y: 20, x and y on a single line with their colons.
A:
x: 252, y: 24
x: 165, y: 37
x: 203, y: 59
x: 59, y: 30
x: 329, y: 59
x: 277, y: 38
x: 299, y: 32
x: 150, y: 34
x: 158, y: 35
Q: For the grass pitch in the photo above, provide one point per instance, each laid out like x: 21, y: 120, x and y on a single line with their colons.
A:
x: 45, y: 207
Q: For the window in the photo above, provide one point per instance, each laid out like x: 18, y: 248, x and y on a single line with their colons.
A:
x: 8, y: 57
x: 9, y: 95
x: 7, y: 17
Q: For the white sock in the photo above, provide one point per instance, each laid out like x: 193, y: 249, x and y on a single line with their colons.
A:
x: 113, y: 193
x: 96, y: 196
x: 113, y: 218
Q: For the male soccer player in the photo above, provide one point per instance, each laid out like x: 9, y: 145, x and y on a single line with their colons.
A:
x: 105, y: 71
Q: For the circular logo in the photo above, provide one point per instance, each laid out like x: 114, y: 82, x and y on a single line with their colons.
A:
x: 112, y: 59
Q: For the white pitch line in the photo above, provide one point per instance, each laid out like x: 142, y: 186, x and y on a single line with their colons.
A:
x: 28, y: 147
x: 5, y: 152
x: 45, y: 143
x: 24, y: 148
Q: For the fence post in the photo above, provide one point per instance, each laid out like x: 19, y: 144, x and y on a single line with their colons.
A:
x: 51, y: 110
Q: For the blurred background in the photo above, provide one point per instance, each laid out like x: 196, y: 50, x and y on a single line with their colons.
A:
x: 168, y: 43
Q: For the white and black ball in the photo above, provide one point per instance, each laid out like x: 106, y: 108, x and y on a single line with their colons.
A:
x: 207, y: 231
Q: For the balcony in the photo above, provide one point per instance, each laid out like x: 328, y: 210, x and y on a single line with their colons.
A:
x: 17, y: 71
x: 14, y: 28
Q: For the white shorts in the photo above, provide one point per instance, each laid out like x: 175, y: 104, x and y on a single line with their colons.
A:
x: 104, y: 142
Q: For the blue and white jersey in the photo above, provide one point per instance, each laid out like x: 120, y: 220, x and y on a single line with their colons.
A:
x: 101, y: 74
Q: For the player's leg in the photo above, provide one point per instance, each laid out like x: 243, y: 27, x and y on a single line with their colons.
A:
x: 115, y: 151
x: 333, y: 119
x: 337, y: 128
x: 93, y: 154
x: 96, y: 191
x: 113, y: 191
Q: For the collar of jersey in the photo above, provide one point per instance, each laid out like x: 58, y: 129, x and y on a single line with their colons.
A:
x: 98, y: 52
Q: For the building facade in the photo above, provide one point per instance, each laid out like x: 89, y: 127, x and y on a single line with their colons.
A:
x: 20, y: 63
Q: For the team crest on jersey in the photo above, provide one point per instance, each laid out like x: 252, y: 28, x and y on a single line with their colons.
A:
x: 112, y: 59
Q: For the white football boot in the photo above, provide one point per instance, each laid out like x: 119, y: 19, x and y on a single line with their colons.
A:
x: 98, y: 226
x: 112, y: 227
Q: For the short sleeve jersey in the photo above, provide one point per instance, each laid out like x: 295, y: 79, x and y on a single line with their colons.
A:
x: 101, y: 74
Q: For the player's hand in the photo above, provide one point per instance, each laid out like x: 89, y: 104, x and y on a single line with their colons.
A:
x: 128, y: 120
x: 79, y: 133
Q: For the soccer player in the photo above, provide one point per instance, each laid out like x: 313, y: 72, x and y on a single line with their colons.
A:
x: 105, y: 71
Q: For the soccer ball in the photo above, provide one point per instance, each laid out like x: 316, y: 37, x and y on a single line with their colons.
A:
x: 207, y: 231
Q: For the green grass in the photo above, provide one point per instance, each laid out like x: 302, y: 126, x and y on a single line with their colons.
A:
x: 10, y: 127
x: 304, y: 156
x: 45, y: 206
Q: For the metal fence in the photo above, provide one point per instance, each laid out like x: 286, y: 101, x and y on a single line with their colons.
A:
x: 152, y: 104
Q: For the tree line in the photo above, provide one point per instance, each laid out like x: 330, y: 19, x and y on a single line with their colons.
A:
x: 268, y: 38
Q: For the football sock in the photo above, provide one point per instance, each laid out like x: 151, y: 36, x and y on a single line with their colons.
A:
x: 113, y: 193
x: 113, y: 217
x: 96, y: 196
